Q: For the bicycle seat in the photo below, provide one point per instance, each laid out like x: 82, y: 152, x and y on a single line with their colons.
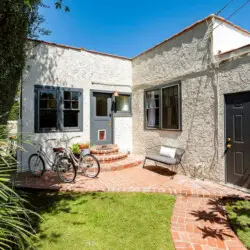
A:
x: 58, y: 150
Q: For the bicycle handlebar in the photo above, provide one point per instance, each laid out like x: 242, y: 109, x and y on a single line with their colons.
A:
x: 68, y: 140
x: 40, y: 144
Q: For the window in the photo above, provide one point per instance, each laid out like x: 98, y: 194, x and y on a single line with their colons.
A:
x: 57, y: 109
x: 152, y: 108
x: 71, y: 109
x: 170, y: 107
x: 102, y: 104
x: 123, y: 104
x: 47, y: 109
x: 162, y: 107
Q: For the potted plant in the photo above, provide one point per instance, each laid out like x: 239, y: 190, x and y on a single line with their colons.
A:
x: 76, y: 150
x: 84, y: 147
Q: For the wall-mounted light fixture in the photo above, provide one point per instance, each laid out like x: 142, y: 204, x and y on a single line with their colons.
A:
x: 115, y: 93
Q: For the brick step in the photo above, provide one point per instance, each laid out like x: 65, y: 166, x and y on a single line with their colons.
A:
x: 104, y: 149
x: 109, y: 158
x: 129, y: 162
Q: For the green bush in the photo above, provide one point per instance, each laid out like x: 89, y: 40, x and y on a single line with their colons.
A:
x: 239, y: 216
x: 15, y: 229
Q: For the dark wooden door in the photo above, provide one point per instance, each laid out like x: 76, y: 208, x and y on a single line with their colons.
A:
x: 101, y: 118
x: 237, y: 142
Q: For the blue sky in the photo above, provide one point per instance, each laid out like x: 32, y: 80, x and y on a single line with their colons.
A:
x: 129, y: 27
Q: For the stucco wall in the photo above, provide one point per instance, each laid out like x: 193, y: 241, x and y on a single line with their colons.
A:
x: 182, y: 55
x: 233, y: 76
x: 183, y: 58
x: 54, y: 66
x: 226, y: 37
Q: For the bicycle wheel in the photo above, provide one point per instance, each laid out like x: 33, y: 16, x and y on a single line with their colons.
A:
x: 65, y: 169
x: 36, y: 165
x: 89, y: 166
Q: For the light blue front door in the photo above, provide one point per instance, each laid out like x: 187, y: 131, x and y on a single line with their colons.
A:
x: 101, y: 118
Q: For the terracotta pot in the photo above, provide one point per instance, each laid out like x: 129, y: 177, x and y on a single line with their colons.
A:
x: 81, y: 146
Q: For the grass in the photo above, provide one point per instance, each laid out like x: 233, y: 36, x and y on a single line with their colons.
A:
x: 104, y: 221
x: 239, y: 217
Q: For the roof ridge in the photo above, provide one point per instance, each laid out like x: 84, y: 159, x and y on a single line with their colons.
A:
x: 78, y: 49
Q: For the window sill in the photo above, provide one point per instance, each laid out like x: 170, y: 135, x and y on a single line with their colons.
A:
x: 122, y: 114
x: 173, y: 130
x: 58, y: 131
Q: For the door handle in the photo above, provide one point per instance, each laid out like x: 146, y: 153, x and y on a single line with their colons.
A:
x: 228, y: 143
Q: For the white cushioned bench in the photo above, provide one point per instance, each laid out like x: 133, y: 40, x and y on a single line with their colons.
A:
x: 166, y: 155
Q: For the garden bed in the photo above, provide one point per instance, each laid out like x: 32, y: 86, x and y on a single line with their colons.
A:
x: 239, y: 218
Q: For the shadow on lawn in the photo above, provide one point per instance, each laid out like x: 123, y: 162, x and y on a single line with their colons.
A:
x: 55, y: 202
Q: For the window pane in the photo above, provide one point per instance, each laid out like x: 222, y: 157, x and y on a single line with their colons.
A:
x: 67, y: 104
x: 152, y: 109
x: 122, y: 103
x: 51, y: 104
x: 67, y: 95
x: 75, y: 96
x: 102, y: 105
x: 43, y: 104
x: 75, y: 105
x: 170, y: 108
x: 47, y: 95
x: 153, y: 118
x: 70, y: 118
x: 152, y: 99
x: 48, y: 118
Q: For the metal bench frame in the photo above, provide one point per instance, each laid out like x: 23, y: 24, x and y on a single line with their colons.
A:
x: 178, y: 156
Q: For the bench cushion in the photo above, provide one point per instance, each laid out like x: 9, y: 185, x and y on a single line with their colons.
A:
x: 167, y: 151
x: 163, y: 159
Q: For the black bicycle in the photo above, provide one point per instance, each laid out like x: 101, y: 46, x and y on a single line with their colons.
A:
x: 61, y: 164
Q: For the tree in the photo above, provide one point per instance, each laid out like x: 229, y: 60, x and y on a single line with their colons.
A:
x: 19, y: 19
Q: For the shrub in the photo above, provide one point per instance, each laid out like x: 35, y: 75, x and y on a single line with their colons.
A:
x: 239, y: 216
x: 15, y: 228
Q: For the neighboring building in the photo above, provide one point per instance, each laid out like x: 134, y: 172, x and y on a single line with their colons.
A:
x: 189, y: 91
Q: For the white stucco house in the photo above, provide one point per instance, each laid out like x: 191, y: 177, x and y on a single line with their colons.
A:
x: 190, y: 91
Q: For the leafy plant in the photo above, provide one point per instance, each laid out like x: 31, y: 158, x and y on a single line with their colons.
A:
x: 15, y: 224
x: 75, y: 148
x: 239, y: 216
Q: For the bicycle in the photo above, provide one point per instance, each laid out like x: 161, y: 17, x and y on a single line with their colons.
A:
x: 88, y: 163
x: 62, y: 165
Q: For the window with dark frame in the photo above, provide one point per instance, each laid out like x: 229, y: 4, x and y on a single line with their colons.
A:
x: 123, y: 103
x: 162, y: 107
x: 58, y: 109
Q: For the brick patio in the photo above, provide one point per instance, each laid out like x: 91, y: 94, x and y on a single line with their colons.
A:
x: 198, y: 220
x: 201, y: 224
x: 137, y: 179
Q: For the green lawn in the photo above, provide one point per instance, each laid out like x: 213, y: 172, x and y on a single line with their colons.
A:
x: 239, y: 217
x: 104, y: 221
